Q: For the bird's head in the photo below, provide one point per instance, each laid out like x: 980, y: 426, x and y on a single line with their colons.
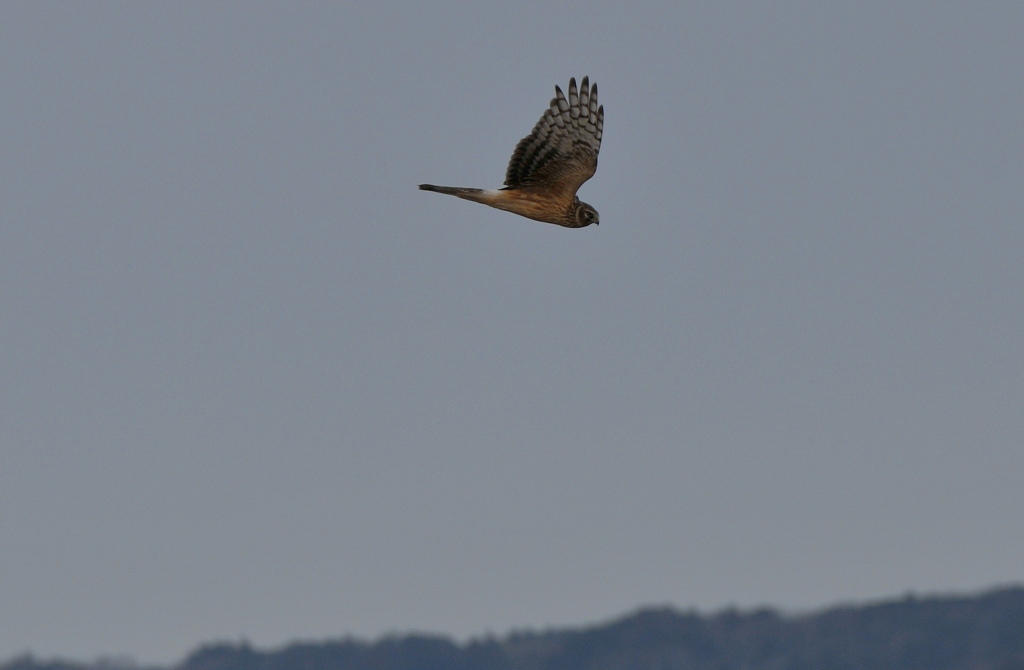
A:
x: 586, y: 215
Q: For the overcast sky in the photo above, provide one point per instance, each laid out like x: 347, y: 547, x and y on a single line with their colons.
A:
x: 255, y: 385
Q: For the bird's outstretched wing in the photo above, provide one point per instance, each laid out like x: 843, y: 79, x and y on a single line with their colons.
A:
x: 561, y: 152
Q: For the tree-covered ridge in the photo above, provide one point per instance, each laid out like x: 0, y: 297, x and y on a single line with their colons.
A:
x: 984, y: 632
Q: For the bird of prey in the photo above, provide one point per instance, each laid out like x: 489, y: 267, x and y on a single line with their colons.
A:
x: 550, y: 164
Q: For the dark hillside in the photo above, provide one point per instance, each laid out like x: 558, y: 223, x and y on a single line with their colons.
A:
x: 984, y: 632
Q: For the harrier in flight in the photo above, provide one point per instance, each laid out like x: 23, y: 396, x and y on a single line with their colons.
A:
x: 550, y: 164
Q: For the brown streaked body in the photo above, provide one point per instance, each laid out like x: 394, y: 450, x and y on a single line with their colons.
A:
x: 550, y: 164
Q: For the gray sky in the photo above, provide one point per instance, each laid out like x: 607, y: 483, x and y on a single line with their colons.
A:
x: 254, y: 384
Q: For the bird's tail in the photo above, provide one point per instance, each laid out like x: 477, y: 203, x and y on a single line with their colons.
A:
x: 474, y: 194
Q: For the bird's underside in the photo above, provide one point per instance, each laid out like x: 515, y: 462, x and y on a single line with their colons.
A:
x: 550, y: 164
